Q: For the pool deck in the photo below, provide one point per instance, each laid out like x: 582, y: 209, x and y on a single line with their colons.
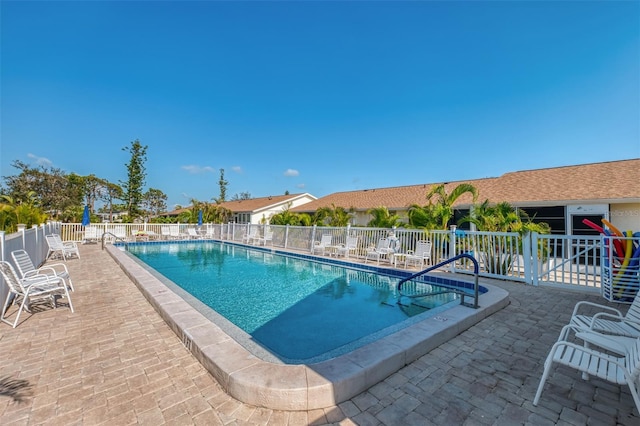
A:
x: 116, y: 361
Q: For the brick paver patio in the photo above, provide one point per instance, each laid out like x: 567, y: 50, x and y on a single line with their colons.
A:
x: 115, y: 362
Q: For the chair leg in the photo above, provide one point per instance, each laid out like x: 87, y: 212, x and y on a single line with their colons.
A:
x: 547, y: 368
x: 5, y: 307
x: 68, y: 296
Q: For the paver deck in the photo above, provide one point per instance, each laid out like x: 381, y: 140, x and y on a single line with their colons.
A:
x: 115, y: 361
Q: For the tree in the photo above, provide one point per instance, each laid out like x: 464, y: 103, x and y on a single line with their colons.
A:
x: 287, y: 217
x: 136, y: 176
x: 241, y: 196
x: 502, y: 217
x: 439, y: 209
x: 25, y: 212
x: 382, y: 218
x: 52, y: 188
x: 223, y: 189
x: 333, y: 216
x: 111, y: 193
x: 155, y: 201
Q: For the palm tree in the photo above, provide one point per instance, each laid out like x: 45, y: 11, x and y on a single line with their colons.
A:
x: 13, y: 213
x: 439, y: 209
x: 287, y: 217
x: 382, y: 218
x: 333, y: 216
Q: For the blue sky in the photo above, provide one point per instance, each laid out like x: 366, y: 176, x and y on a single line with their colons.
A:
x: 317, y: 97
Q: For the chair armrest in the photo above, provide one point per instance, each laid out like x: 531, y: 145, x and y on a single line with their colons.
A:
x: 611, y: 317
x: 597, y: 305
x: 618, y: 344
x: 57, y: 265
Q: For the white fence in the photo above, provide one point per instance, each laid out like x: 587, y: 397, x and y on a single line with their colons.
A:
x: 584, y: 263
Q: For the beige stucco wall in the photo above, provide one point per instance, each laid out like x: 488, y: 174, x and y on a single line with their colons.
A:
x: 625, y: 216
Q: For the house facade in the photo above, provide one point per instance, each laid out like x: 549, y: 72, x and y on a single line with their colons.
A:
x: 258, y: 210
x: 559, y: 196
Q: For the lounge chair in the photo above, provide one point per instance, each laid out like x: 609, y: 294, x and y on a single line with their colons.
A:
x: 165, y: 232
x: 35, y: 287
x: 27, y: 269
x: 381, y: 251
x: 250, y: 236
x: 59, y: 248
x: 622, y: 367
x: 90, y: 235
x: 421, y: 256
x: 266, y: 238
x: 609, y: 320
x: 350, y: 247
x: 193, y: 234
x: 174, y: 232
x: 321, y: 246
x: 120, y: 232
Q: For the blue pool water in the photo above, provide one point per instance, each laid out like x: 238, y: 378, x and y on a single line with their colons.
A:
x: 296, y: 308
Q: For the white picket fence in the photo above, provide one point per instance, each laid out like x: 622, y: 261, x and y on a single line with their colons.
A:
x: 583, y: 263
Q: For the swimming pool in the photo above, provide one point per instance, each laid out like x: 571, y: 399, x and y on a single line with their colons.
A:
x: 299, y: 310
x: 280, y: 386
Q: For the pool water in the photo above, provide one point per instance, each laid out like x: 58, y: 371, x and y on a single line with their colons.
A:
x: 297, y: 309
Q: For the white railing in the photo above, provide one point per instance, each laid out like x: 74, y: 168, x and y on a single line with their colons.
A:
x: 551, y: 260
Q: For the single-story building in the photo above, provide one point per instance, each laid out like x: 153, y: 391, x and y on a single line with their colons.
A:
x: 559, y: 196
x: 258, y: 210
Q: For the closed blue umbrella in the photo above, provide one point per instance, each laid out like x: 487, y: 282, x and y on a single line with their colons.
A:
x: 86, y: 217
x: 200, y: 218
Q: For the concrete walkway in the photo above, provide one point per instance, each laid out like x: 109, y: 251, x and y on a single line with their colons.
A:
x: 115, y: 362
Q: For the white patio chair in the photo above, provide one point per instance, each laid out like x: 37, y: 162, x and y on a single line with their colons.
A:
x: 348, y: 248
x: 193, y: 234
x: 34, y: 288
x: 266, y: 238
x: 165, y: 232
x: 622, y: 370
x: 26, y: 268
x: 59, y: 248
x: 321, y: 246
x: 609, y: 320
x: 90, y: 235
x: 250, y: 236
x: 421, y: 256
x: 381, y: 251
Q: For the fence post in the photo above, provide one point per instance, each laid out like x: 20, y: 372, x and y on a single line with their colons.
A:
x: 2, y: 245
x: 286, y: 235
x: 530, y: 256
x: 452, y: 247
x: 313, y: 237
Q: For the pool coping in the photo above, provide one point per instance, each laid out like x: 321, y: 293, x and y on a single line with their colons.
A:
x: 304, y: 387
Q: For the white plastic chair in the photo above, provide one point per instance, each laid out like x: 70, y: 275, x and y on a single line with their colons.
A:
x: 351, y: 246
x: 27, y: 269
x: 421, y: 256
x: 622, y: 370
x: 325, y: 241
x: 609, y: 320
x: 90, y: 234
x: 193, y: 234
x: 266, y: 238
x: 380, y: 251
x: 35, y: 287
x: 63, y: 249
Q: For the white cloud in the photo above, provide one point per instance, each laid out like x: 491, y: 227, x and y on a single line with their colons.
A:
x: 237, y: 169
x: 41, y: 161
x: 300, y: 185
x: 194, y: 170
x: 291, y: 172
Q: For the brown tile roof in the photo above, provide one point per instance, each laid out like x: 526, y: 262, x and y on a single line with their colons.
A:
x: 254, y: 204
x: 249, y: 205
x: 587, y: 183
